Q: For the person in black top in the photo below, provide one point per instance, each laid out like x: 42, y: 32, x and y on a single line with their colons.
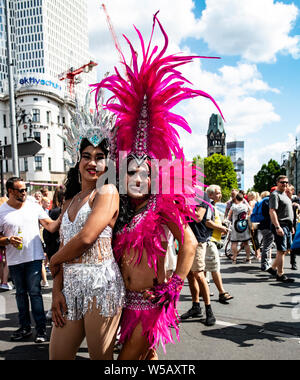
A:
x: 196, y: 277
x: 51, y: 240
x: 290, y: 193
x: 267, y: 235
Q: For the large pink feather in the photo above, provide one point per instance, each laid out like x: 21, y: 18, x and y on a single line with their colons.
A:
x: 163, y: 86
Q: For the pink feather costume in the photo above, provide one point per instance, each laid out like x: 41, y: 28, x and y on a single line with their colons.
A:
x: 144, y: 129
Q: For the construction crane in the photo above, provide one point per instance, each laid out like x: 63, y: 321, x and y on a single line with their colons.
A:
x: 71, y: 74
x: 114, y: 36
x: 112, y: 31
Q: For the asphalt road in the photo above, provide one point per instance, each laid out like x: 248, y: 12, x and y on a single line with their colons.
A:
x: 262, y: 322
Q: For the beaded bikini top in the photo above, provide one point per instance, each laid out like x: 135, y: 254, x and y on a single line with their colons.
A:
x: 101, y: 249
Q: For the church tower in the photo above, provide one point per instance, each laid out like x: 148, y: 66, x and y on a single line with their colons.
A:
x: 216, y: 136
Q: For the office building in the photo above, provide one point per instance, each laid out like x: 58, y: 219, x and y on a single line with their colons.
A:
x: 235, y: 150
x: 49, y: 37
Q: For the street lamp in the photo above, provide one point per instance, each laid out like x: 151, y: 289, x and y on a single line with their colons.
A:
x: 1, y: 170
x: 10, y: 71
x: 296, y: 166
x: 284, y: 158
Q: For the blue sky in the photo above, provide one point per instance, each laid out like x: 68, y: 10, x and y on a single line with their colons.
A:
x: 256, y: 82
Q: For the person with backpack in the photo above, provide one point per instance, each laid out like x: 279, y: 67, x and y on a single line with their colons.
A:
x: 261, y: 215
x: 253, y: 200
x: 240, y: 231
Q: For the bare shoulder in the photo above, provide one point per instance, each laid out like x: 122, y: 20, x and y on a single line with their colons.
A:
x: 109, y: 189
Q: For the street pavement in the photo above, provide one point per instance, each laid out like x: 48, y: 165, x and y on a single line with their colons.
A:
x: 262, y: 322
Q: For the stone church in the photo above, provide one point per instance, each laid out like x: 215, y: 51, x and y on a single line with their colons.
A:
x: 216, y: 136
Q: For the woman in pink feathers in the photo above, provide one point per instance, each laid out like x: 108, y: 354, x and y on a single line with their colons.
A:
x: 145, y: 134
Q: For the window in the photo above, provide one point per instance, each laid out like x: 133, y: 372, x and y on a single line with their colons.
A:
x: 25, y: 164
x: 37, y: 136
x: 49, y: 164
x: 36, y: 115
x: 24, y: 136
x: 48, y: 117
x: 4, y: 121
x: 48, y: 140
x: 38, y: 163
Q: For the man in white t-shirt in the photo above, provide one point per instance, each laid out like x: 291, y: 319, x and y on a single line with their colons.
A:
x: 20, y: 234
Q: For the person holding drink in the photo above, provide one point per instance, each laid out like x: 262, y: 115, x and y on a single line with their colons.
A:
x: 20, y: 235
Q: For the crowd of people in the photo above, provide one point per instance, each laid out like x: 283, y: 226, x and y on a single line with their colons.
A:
x: 252, y: 219
x: 264, y: 220
x: 80, y: 302
x: 117, y: 275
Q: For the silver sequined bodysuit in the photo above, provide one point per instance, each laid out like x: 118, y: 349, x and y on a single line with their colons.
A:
x: 94, y: 276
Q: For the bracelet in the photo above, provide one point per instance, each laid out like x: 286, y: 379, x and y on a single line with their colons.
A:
x: 8, y: 240
x: 168, y: 292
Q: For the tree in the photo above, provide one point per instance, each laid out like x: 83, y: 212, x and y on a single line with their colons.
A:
x: 267, y: 175
x: 219, y: 170
x: 198, y: 161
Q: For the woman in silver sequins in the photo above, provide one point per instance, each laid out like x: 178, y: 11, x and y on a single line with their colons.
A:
x: 88, y: 290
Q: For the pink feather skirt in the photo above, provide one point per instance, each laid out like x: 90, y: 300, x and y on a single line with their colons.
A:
x: 156, y: 321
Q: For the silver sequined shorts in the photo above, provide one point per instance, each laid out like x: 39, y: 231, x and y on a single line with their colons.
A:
x: 85, y: 284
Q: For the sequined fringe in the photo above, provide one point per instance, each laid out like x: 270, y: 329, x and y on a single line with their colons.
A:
x: 86, y: 284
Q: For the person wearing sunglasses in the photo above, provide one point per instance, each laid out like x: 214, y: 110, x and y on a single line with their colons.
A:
x: 19, y: 228
x: 281, y: 213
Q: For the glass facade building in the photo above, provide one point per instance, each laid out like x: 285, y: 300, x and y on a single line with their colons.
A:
x: 235, y: 150
x: 48, y: 38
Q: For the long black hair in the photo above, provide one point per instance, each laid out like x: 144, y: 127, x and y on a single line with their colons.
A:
x: 126, y: 209
x: 72, y: 183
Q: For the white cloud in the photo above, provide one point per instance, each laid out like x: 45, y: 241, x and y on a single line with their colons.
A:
x: 256, y: 157
x: 238, y: 27
x: 257, y: 30
x: 176, y: 16
x: 235, y: 88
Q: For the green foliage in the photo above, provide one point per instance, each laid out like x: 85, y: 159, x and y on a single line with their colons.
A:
x: 219, y: 170
x: 198, y: 161
x: 266, y: 177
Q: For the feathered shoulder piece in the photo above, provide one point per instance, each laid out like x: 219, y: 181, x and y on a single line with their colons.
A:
x: 144, y: 99
x: 95, y: 126
x: 173, y: 202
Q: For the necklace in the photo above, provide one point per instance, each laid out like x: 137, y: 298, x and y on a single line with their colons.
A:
x: 80, y: 198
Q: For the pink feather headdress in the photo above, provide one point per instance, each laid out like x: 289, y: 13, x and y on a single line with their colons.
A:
x: 145, y: 124
x: 144, y: 128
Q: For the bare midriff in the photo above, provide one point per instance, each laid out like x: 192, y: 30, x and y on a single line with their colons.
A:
x: 138, y: 277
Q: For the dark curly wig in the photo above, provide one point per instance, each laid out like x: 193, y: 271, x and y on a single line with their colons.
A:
x: 72, y: 183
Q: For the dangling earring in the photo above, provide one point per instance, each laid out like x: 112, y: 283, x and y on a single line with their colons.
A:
x: 79, y: 177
